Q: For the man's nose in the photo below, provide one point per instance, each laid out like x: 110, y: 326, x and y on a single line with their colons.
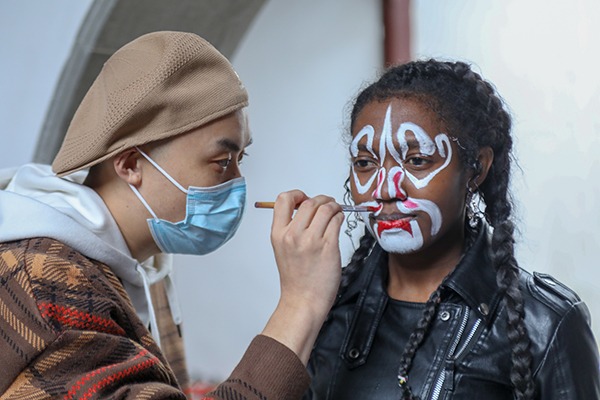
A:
x: 234, y: 170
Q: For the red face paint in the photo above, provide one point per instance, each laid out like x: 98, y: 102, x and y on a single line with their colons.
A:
x: 395, y: 224
x: 380, y: 177
x: 409, y: 204
x: 400, y: 194
x: 397, y: 177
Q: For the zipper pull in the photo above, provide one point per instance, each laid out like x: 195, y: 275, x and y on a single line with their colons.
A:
x: 449, y: 375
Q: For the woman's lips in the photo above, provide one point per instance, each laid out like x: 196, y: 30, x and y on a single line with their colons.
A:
x: 383, y: 225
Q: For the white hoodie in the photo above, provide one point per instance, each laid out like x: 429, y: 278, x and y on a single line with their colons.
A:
x: 34, y: 202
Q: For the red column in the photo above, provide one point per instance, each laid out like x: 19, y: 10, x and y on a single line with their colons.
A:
x: 396, y: 20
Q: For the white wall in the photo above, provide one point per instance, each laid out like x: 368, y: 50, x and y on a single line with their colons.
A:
x: 36, y: 40
x: 543, y: 58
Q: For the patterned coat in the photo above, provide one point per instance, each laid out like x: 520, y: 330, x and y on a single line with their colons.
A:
x: 68, y: 330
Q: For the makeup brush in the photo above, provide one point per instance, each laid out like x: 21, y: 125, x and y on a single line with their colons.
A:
x: 345, y: 208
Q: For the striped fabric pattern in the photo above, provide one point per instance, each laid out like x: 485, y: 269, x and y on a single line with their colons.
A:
x: 68, y: 330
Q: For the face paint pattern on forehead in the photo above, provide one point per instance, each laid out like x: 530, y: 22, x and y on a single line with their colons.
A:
x: 441, y: 142
x: 369, y: 132
x: 426, y: 146
x: 400, y: 236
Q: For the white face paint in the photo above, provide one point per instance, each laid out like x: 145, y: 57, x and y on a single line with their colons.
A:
x: 399, y: 235
x: 369, y: 132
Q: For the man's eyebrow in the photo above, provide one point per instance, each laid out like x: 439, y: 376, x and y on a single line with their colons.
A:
x: 228, y: 144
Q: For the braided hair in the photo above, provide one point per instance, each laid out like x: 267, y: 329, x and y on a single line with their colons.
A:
x: 472, y: 112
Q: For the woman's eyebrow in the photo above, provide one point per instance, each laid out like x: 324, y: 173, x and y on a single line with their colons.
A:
x: 412, y: 143
x: 362, y: 147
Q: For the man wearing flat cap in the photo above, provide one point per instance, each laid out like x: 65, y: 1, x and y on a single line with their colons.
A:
x: 149, y: 167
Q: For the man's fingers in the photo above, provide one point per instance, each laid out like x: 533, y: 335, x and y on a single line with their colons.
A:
x: 323, y: 218
x: 332, y: 232
x: 307, y: 212
x: 284, y: 208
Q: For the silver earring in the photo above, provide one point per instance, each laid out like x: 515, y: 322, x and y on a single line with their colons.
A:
x: 474, y: 212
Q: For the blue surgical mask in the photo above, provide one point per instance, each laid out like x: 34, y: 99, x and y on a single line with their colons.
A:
x: 213, y: 214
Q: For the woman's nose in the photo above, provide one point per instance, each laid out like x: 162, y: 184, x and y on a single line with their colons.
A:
x: 389, y: 185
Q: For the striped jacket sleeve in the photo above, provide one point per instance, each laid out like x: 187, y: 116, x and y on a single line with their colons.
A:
x: 68, y: 330
x: 268, y: 370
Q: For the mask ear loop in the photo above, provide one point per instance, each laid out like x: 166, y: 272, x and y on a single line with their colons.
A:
x: 139, y: 196
x: 162, y: 171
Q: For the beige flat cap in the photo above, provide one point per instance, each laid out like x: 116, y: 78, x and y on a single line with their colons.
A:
x: 160, y: 85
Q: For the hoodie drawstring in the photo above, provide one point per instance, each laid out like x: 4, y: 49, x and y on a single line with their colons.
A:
x: 173, y: 300
x: 152, y: 314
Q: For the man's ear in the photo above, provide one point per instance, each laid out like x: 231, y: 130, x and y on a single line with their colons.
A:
x: 483, y: 165
x: 127, y: 166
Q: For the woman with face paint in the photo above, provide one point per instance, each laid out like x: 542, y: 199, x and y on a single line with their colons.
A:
x: 433, y: 304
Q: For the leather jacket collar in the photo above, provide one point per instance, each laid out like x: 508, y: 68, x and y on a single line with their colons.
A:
x: 467, y: 351
x: 481, y: 294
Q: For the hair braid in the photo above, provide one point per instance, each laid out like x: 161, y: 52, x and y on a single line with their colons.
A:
x: 414, y: 342
x: 473, y: 112
x: 508, y: 281
x: 499, y: 211
x: 507, y: 277
x: 357, y: 261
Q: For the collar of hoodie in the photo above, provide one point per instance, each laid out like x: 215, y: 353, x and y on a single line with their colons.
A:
x: 74, y: 214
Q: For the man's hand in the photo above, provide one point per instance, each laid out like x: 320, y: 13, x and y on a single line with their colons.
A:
x: 308, y: 258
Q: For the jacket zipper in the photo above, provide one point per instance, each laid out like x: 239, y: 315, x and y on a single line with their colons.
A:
x: 471, y: 334
x: 437, y: 389
x: 440, y: 383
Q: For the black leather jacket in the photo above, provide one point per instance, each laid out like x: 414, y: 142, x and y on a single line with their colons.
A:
x: 466, y: 354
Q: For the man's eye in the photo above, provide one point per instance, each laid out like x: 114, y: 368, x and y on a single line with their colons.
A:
x: 224, y: 163
x: 241, y: 157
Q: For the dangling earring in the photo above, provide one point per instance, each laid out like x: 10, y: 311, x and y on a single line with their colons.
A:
x: 474, y: 198
x: 474, y: 211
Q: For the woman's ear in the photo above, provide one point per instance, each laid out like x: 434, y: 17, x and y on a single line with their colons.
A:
x: 127, y: 166
x: 483, y: 165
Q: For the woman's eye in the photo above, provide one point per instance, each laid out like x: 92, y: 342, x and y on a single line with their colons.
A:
x: 416, y: 161
x: 363, y: 164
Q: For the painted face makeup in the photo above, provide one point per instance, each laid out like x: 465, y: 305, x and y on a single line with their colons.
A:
x: 413, y: 152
